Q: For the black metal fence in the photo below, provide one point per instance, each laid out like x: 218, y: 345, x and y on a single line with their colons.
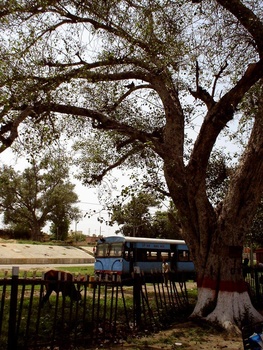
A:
x: 110, y: 311
x: 254, y: 278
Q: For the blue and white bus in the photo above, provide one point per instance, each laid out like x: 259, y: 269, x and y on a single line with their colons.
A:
x: 123, y: 255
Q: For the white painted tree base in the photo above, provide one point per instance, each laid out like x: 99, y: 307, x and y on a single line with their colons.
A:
x: 229, y: 310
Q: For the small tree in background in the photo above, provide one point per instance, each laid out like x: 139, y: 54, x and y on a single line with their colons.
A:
x: 165, y: 224
x: 136, y: 220
x: 37, y: 195
x: 63, y: 211
x: 134, y: 216
x: 61, y: 230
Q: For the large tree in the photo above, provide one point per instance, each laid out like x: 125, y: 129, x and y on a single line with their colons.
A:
x: 142, y: 74
x: 41, y: 193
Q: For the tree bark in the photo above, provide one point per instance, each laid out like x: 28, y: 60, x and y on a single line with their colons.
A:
x: 215, y: 236
x: 223, y: 295
x: 36, y: 231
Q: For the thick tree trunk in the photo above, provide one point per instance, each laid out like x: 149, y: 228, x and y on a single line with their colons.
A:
x: 36, y: 231
x: 215, y: 235
x: 223, y: 296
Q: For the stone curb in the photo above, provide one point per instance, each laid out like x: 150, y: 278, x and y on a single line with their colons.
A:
x: 15, y: 253
x: 10, y: 261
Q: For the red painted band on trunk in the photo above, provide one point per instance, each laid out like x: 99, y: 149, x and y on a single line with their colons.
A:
x: 224, y: 286
x: 230, y: 286
x: 207, y: 283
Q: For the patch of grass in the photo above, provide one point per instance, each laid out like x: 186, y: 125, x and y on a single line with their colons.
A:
x: 38, y: 272
x: 83, y: 270
x: 22, y: 241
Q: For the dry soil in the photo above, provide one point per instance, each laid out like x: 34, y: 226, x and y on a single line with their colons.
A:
x: 188, y: 335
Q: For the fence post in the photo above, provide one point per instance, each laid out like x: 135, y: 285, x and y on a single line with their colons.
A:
x: 12, y: 334
x: 137, y: 283
x: 257, y: 287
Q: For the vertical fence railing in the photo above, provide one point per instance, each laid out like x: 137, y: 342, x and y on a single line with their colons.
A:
x: 12, y: 334
x: 254, y: 278
x: 102, y: 317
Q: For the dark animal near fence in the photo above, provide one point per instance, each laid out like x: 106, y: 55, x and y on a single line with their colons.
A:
x: 60, y: 281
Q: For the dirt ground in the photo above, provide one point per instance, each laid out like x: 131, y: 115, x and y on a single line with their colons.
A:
x: 187, y: 335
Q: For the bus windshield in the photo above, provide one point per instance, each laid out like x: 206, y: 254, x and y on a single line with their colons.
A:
x: 107, y: 249
x: 101, y: 249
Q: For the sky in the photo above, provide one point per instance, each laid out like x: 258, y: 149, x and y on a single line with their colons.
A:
x: 91, y: 210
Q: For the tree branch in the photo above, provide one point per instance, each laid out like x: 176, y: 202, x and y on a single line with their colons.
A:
x: 121, y: 160
x: 204, y: 96
x: 247, y: 18
x: 100, y: 121
x: 108, y: 27
x: 217, y: 77
x: 131, y: 89
x: 9, y: 131
x: 157, y: 189
x: 201, y: 93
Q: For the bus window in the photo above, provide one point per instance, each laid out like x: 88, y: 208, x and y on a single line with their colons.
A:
x: 183, y: 255
x: 152, y: 256
x: 165, y: 256
x: 115, y: 249
x: 102, y: 250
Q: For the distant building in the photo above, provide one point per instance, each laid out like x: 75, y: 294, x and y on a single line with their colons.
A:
x: 92, y: 239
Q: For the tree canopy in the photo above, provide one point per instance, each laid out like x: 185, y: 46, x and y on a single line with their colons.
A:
x: 134, y: 78
x: 135, y: 218
x: 39, y: 194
